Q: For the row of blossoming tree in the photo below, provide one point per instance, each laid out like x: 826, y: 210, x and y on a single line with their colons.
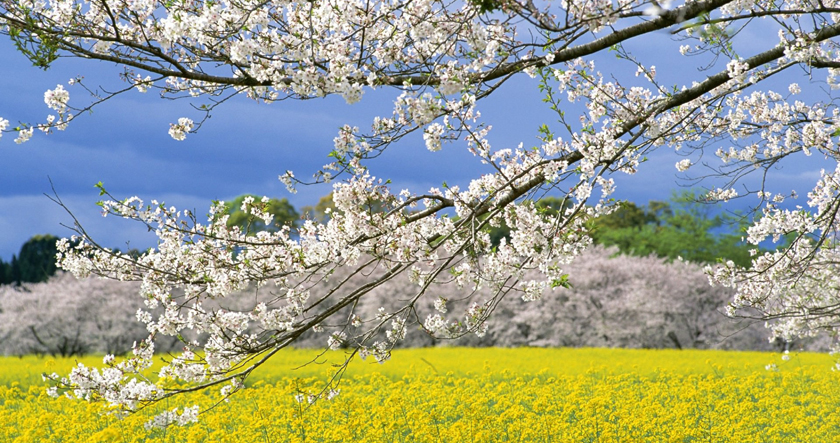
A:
x: 442, y: 58
x: 615, y: 301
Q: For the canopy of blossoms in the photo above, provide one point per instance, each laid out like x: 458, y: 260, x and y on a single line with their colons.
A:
x: 441, y: 58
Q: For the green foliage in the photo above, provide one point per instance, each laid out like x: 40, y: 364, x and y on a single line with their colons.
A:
x: 485, y: 6
x: 563, y: 282
x: 628, y: 215
x: 284, y: 215
x: 33, y: 264
x: 37, y: 258
x: 9, y: 272
x: 683, y: 227
x: 40, y: 48
x: 319, y: 212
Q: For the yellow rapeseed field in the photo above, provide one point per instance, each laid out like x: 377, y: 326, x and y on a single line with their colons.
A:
x: 473, y: 395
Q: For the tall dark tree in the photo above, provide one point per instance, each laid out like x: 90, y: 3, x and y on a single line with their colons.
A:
x: 37, y: 258
x: 14, y: 271
x: 5, y: 273
x: 34, y: 263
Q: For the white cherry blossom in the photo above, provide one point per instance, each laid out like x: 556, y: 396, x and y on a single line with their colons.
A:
x: 441, y: 59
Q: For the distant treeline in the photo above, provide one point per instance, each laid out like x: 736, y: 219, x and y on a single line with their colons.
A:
x: 682, y: 227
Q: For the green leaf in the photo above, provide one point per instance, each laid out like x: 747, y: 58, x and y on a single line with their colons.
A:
x: 562, y: 281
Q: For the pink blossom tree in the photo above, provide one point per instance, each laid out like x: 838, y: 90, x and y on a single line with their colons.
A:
x: 442, y: 58
x: 67, y: 317
x: 613, y: 300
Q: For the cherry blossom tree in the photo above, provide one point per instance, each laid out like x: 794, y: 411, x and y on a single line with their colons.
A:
x: 67, y: 317
x: 613, y: 301
x: 442, y: 58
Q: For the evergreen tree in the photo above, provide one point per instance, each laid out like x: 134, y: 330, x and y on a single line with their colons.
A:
x: 5, y: 273
x: 34, y: 263
x: 37, y: 258
x: 14, y: 271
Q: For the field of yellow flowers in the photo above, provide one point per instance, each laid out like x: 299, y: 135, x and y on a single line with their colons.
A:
x: 473, y: 395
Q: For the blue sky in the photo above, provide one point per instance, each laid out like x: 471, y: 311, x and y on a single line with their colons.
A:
x: 242, y: 149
